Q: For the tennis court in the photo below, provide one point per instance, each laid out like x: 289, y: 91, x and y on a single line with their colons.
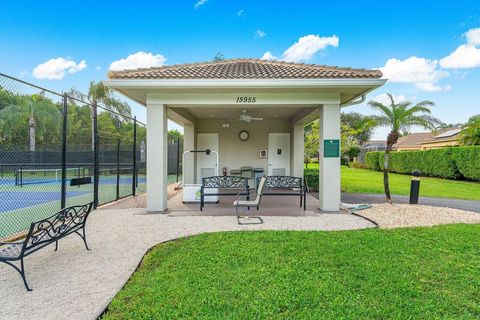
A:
x: 34, y: 198
x: 47, y: 137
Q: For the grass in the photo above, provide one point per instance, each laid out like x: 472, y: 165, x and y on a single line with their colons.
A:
x: 411, y: 273
x: 367, y: 181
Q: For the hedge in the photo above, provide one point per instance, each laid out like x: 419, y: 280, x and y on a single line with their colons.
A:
x: 450, y: 162
x: 467, y: 160
x: 372, y: 160
x: 311, y: 176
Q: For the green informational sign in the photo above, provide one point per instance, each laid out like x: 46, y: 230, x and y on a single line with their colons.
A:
x: 331, y: 148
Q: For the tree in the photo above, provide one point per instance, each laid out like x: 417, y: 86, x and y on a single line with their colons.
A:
x: 356, y: 129
x: 34, y: 114
x: 311, y: 146
x: 99, y: 93
x: 470, y: 135
x: 399, y: 117
x: 360, y: 127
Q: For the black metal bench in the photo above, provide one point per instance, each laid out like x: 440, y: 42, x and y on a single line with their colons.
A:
x: 286, y: 186
x: 44, y: 232
x: 226, y: 185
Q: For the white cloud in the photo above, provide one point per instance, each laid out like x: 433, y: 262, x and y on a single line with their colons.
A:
x: 55, y: 69
x: 384, y: 99
x: 421, y: 72
x: 431, y: 87
x: 268, y: 56
x: 473, y: 36
x: 241, y: 13
x: 199, y: 3
x: 260, y: 34
x: 137, y: 60
x: 307, y: 46
x: 466, y: 55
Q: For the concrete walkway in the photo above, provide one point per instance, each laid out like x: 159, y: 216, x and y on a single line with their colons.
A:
x: 468, y: 205
x: 73, y: 283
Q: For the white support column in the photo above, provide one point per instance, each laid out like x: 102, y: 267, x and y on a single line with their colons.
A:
x: 298, y: 150
x: 330, y: 179
x: 189, y: 144
x: 157, y: 149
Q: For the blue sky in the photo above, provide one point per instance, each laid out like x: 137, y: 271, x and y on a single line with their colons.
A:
x: 429, y: 49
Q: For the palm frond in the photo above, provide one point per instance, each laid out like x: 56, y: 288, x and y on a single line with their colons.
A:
x: 382, y: 108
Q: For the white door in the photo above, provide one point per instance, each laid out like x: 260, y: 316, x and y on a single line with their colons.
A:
x: 207, y: 164
x: 279, y: 154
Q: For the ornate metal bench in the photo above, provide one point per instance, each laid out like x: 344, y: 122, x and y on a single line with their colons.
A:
x: 286, y: 186
x: 226, y: 185
x: 44, y: 232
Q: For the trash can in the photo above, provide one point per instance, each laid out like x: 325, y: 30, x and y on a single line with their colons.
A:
x: 257, y: 173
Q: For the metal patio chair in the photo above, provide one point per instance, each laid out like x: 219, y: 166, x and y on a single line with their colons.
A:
x: 239, y: 202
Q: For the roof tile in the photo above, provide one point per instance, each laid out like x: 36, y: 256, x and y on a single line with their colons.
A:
x: 245, y: 69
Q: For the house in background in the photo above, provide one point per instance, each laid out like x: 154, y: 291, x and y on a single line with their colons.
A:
x: 371, y: 146
x: 412, y: 142
x: 428, y: 140
x: 448, y: 138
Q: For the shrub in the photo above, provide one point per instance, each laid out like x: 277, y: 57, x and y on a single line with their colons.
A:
x: 449, y: 163
x: 435, y: 163
x: 467, y: 160
x: 357, y: 165
x: 372, y: 160
x: 312, y: 178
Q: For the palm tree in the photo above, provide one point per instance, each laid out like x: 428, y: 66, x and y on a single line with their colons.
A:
x: 99, y: 93
x: 399, y: 117
x: 470, y: 135
x: 41, y: 113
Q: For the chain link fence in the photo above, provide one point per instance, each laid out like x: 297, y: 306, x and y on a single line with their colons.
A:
x: 57, y: 150
x: 175, y: 151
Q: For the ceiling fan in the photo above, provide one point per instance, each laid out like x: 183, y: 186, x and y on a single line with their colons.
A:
x: 245, y: 117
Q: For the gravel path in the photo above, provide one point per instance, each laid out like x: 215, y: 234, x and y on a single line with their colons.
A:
x: 404, y: 215
x: 73, y: 283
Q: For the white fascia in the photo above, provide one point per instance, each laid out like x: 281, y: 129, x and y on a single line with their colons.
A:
x: 243, y: 83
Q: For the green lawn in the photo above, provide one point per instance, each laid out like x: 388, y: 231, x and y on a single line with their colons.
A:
x: 367, y: 181
x: 411, y: 273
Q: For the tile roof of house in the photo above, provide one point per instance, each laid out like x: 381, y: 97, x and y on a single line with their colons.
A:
x: 444, y: 135
x: 414, y: 139
x: 245, y: 69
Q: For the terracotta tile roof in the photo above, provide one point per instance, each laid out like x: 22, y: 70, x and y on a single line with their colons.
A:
x: 245, y: 69
x: 414, y: 139
x: 445, y: 135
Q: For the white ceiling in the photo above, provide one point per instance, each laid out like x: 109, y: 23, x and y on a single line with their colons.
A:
x: 233, y: 112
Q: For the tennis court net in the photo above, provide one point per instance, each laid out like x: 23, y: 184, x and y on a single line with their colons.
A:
x: 24, y: 176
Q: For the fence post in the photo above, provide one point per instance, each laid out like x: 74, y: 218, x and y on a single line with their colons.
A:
x: 95, y: 155
x: 178, y: 155
x: 134, y: 156
x: 64, y: 153
x: 118, y: 169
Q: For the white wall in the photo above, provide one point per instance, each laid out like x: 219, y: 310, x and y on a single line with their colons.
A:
x: 235, y: 153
